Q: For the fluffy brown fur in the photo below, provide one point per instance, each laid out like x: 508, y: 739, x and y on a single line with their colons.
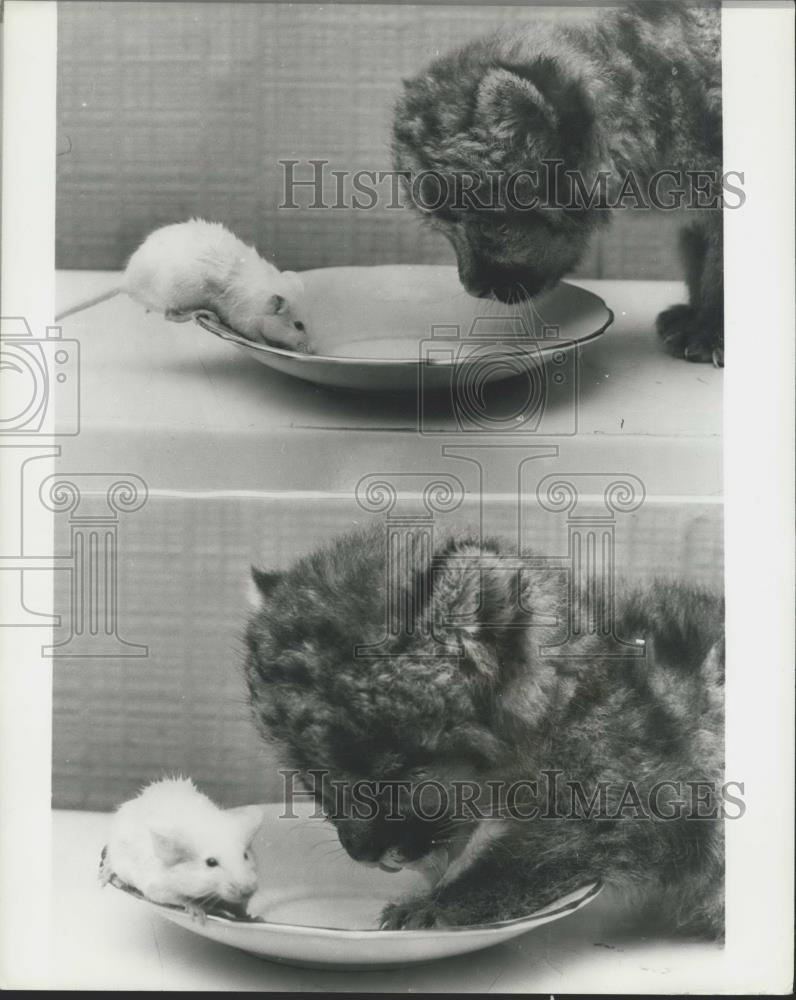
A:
x: 489, y: 705
x: 637, y: 89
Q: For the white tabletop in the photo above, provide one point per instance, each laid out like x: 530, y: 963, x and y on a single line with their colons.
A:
x: 104, y: 939
x: 188, y: 411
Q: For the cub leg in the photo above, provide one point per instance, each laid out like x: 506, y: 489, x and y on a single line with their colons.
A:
x: 696, y: 331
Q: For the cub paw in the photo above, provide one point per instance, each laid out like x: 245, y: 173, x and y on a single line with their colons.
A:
x: 421, y: 914
x: 683, y: 336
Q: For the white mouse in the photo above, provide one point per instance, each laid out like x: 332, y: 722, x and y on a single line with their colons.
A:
x: 174, y: 845
x: 202, y: 265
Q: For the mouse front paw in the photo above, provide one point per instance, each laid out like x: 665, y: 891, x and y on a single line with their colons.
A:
x: 195, y: 912
x: 179, y: 315
x: 289, y: 344
x: 298, y: 341
x: 104, y: 873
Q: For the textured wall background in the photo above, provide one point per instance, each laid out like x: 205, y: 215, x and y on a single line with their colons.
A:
x: 168, y: 110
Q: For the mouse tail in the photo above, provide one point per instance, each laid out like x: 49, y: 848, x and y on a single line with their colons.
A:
x: 89, y: 303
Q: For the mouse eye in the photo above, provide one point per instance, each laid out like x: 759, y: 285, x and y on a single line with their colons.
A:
x: 212, y: 863
x: 246, y: 855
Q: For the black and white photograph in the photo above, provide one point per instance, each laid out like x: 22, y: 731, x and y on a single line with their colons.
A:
x: 396, y: 556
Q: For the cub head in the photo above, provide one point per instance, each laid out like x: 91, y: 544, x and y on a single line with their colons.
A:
x: 488, y: 140
x: 383, y: 724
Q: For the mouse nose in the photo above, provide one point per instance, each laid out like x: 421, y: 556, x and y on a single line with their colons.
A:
x: 245, y: 887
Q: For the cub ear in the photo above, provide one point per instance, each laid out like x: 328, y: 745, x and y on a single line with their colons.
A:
x: 713, y: 665
x: 479, y: 597
x: 538, y: 107
x: 275, y: 304
x: 265, y: 582
x: 513, y: 107
x: 169, y: 848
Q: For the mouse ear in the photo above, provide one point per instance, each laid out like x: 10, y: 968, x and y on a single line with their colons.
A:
x: 169, y: 848
x: 275, y: 304
x: 251, y: 818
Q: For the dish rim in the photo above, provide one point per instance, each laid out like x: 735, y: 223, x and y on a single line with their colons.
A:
x: 207, y: 320
x: 588, y: 892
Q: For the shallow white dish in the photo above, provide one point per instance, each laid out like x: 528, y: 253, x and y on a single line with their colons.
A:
x: 320, y: 909
x: 402, y: 327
